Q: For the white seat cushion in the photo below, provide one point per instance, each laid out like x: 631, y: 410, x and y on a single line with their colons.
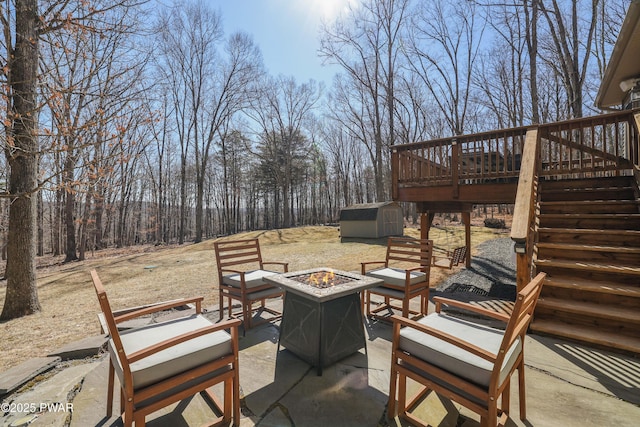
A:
x: 175, y: 359
x: 252, y: 278
x: 452, y: 358
x: 396, y: 276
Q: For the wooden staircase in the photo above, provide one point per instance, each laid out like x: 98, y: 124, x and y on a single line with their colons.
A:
x: 589, y: 246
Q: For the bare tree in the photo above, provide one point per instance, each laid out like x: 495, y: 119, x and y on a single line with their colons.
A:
x: 366, y: 46
x: 88, y: 74
x: 280, y: 112
x: 21, y: 150
x: 531, y: 12
x: 503, y: 70
x: 443, y: 49
x: 20, y: 53
x: 571, y: 31
x: 208, y: 86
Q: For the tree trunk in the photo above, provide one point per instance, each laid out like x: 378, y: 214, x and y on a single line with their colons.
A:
x: 532, y: 47
x: 57, y: 223
x: 22, y: 293
x: 69, y: 212
x: 40, y: 251
x: 199, y: 207
x: 183, y: 199
x: 97, y: 241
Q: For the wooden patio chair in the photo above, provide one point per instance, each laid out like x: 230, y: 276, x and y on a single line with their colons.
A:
x: 405, y: 272
x: 451, y: 259
x: 240, y: 273
x: 462, y: 360
x: 163, y: 363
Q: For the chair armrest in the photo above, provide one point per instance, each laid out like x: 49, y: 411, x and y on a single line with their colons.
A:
x: 438, y: 301
x: 229, y: 270
x: 453, y: 340
x: 363, y: 265
x: 160, y: 307
x: 148, y: 351
x: 409, y: 270
x: 285, y: 265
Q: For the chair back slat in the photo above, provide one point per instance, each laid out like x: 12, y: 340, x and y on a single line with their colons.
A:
x: 238, y: 252
x: 111, y: 321
x: 520, y: 317
x: 416, y: 251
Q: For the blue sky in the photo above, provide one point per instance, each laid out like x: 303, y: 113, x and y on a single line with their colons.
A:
x: 287, y: 32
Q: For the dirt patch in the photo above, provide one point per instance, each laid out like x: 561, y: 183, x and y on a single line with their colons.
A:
x: 147, y: 274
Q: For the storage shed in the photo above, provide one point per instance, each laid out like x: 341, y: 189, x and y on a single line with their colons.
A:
x: 371, y: 220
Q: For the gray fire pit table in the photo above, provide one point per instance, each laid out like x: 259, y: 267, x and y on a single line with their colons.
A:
x: 322, y: 323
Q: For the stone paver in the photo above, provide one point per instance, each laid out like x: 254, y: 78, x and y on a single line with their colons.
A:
x: 86, y: 347
x: 50, y: 400
x: 18, y: 375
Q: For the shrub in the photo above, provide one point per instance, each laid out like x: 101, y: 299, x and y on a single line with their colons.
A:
x: 494, y: 223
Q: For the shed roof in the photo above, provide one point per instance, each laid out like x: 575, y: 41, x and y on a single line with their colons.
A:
x: 623, y: 63
x: 363, y: 212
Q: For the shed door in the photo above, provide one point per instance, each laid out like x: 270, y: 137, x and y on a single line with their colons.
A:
x: 391, y: 222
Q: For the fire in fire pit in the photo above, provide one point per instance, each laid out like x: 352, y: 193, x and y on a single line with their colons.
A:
x: 322, y: 279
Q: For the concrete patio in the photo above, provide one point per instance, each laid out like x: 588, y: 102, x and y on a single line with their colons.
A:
x: 567, y: 385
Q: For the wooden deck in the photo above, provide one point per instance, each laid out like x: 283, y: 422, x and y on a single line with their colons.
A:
x: 582, y: 230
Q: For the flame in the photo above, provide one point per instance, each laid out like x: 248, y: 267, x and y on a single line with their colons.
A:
x: 326, y: 278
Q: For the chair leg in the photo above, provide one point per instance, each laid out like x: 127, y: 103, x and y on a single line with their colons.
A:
x: 391, y: 405
x: 402, y: 394
x: 128, y: 414
x: 139, y: 420
x: 221, y: 307
x: 110, y: 390
x: 246, y: 314
x: 405, y: 306
x: 236, y: 397
x: 522, y: 392
x: 425, y: 304
x: 506, y: 397
x: 492, y: 416
x: 227, y: 400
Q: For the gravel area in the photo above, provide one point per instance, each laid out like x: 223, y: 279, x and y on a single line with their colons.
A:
x: 492, y: 274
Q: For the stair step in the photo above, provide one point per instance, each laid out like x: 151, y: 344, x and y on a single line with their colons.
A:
x: 619, y: 255
x: 603, y: 338
x: 589, y: 267
x: 606, y: 182
x: 595, y: 248
x: 603, y: 221
x: 591, y: 309
x: 587, y: 194
x: 627, y: 238
x: 593, y: 286
x: 590, y: 206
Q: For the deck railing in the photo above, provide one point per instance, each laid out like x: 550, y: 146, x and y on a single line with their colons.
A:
x: 466, y: 159
x: 592, y: 146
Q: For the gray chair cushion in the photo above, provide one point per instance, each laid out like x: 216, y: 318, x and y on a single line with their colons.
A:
x: 393, y: 293
x: 267, y: 293
x: 252, y: 278
x: 396, y: 276
x: 454, y: 359
x: 173, y: 360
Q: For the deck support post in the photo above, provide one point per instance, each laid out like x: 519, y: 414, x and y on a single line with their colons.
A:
x: 466, y: 218
x: 426, y: 219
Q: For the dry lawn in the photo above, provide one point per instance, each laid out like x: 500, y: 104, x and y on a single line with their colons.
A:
x: 149, y: 274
